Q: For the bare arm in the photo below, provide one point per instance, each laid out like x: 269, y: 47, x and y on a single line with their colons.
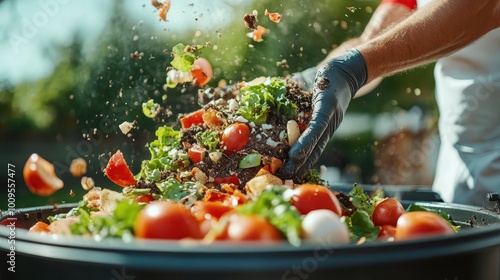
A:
x: 438, y: 29
x: 384, y: 16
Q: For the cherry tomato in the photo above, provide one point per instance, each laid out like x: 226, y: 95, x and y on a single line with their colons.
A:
x: 145, y: 198
x: 206, y: 210
x: 196, y: 153
x: 233, y: 179
x: 232, y: 200
x: 250, y: 228
x: 387, y: 212
x: 118, y: 171
x: 191, y: 119
x: 40, y: 176
x: 40, y: 227
x: 309, y: 197
x: 418, y: 224
x: 166, y: 220
x: 235, y: 137
x: 386, y: 232
x: 201, y: 71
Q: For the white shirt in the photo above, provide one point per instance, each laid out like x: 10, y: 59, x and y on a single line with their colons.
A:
x: 468, y: 97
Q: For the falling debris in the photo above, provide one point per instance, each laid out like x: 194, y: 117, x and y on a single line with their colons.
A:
x: 163, y: 8
x: 257, y: 34
x: 126, y: 126
x: 78, y: 167
x: 275, y: 17
x: 251, y: 20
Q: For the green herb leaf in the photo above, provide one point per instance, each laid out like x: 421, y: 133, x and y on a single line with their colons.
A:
x: 174, y: 190
x: 209, y: 139
x: 361, y: 200
x: 274, y: 205
x: 361, y: 225
x: 250, y: 160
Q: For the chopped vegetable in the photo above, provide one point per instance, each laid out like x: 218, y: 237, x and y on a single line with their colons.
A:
x: 174, y: 190
x: 185, y: 56
x: 166, y: 154
x: 194, y: 118
x: 118, y: 171
x: 275, y: 17
x: 150, y: 108
x: 275, y: 206
x: 257, y: 100
x: 250, y: 160
x: 40, y: 176
x: 209, y: 139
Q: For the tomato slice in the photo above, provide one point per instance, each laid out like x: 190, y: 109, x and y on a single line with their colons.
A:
x: 145, y: 198
x: 196, y: 153
x: 191, y: 119
x: 201, y: 71
x: 40, y: 177
x: 40, y: 227
x: 233, y: 179
x: 118, y: 171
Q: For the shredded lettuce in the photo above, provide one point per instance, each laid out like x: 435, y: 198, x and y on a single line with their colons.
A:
x: 174, y: 190
x: 119, y: 224
x: 166, y: 154
x: 259, y: 99
x: 274, y: 205
x: 209, y: 139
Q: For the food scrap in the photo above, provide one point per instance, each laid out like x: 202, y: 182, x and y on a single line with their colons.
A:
x: 163, y: 8
x: 251, y: 20
x: 126, y: 126
x: 78, y: 167
x: 275, y: 17
x: 257, y: 34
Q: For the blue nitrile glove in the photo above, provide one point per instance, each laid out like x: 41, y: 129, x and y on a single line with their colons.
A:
x: 336, y: 83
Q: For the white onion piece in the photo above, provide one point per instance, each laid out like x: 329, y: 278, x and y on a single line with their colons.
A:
x: 293, y: 131
x: 324, y: 226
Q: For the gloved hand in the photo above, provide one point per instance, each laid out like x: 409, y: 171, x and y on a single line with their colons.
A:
x: 336, y: 83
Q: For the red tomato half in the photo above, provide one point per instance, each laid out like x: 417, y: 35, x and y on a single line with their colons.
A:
x: 40, y: 176
x: 418, y: 224
x: 118, y: 171
x: 201, y: 71
x: 387, y: 212
x: 191, y: 119
x: 386, y: 232
x: 309, y: 197
x: 251, y: 228
x: 235, y: 137
x: 166, y: 220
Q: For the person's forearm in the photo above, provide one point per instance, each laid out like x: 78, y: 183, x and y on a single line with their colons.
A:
x: 436, y: 30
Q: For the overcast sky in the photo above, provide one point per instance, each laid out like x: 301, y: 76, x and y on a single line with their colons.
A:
x: 32, y: 31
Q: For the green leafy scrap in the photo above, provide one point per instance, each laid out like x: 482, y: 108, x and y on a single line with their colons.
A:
x: 360, y: 225
x: 184, y: 56
x: 174, y: 190
x: 119, y: 224
x: 166, y: 154
x: 274, y: 205
x: 257, y: 100
x: 209, y: 139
